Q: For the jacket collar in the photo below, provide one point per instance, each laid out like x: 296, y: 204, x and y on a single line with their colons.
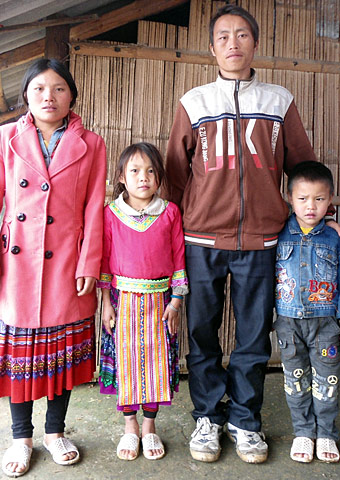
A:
x: 229, y: 84
x: 294, y: 227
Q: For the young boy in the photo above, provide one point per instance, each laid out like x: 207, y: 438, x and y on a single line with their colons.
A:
x: 307, y: 298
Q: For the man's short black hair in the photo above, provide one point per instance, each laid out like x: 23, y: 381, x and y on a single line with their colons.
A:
x: 234, y: 10
x: 310, y: 171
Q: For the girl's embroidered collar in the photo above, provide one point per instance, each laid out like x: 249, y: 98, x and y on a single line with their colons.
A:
x: 155, y: 207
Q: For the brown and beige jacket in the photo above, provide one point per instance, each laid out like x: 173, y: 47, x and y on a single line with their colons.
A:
x: 230, y: 142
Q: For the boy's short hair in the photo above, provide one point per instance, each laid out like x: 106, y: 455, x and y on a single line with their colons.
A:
x: 310, y: 171
x: 240, y: 12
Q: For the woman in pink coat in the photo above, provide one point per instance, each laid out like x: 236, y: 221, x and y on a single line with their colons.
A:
x: 52, y: 177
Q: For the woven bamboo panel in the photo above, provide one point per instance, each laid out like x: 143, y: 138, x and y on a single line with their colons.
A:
x: 302, y: 87
x: 216, y: 5
x: 105, y: 102
x: 168, y: 98
x: 198, y: 39
x: 149, y: 87
x: 264, y: 14
x: 200, y: 14
x: 328, y: 30
x: 181, y: 77
x: 327, y: 114
x: 127, y: 100
x: 296, y: 27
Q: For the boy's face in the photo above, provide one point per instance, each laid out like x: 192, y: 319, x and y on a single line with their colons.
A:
x: 233, y: 47
x: 310, y: 201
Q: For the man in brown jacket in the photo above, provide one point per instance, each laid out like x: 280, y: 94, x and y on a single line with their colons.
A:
x: 230, y: 143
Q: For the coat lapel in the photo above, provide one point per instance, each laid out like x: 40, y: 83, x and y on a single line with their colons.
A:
x: 26, y: 146
x: 71, y: 148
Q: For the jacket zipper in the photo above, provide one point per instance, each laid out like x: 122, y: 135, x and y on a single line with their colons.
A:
x: 240, y: 158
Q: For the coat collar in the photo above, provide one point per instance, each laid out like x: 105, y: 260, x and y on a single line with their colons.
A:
x: 26, y: 145
x: 155, y: 207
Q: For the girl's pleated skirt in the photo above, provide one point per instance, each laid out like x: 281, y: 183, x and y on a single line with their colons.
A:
x: 44, y: 361
x: 139, y: 362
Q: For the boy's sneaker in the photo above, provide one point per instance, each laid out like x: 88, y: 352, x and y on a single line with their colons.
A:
x: 250, y: 446
x: 205, y: 441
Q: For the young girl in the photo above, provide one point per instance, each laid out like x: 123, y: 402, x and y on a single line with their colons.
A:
x: 143, y: 262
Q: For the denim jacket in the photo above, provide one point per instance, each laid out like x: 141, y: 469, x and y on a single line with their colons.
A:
x: 307, y: 271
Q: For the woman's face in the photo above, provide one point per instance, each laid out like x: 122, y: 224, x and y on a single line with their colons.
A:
x: 48, y: 96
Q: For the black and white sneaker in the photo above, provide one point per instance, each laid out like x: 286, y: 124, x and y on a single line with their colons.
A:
x: 250, y: 446
x: 205, y: 441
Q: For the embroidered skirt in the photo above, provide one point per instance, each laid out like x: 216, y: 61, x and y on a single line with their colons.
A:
x: 139, y: 362
x: 41, y: 362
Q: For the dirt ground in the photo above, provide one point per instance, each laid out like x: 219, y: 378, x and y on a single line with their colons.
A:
x: 95, y: 427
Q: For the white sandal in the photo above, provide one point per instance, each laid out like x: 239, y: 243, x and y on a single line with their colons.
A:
x: 61, y: 446
x: 129, y: 441
x: 151, y: 441
x: 326, y: 445
x: 302, y: 445
x: 17, y: 453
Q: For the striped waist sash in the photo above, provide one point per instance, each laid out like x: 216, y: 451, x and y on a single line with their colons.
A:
x: 141, y: 285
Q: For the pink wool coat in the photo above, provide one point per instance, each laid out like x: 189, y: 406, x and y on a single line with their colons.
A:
x: 52, y: 227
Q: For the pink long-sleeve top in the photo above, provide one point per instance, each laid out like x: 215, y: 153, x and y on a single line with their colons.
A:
x: 143, y: 247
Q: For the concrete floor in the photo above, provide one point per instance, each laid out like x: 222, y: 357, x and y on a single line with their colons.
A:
x: 95, y: 426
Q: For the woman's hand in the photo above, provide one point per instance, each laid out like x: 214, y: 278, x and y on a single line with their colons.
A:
x: 108, y: 314
x: 172, y: 316
x: 85, y: 285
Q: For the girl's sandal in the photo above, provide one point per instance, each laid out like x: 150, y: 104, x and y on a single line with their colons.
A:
x: 151, y: 441
x: 129, y: 441
x: 324, y: 446
x: 17, y: 453
x: 302, y: 445
x: 60, y: 447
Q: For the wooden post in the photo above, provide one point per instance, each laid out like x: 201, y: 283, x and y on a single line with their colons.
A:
x: 56, y: 42
x: 3, y: 101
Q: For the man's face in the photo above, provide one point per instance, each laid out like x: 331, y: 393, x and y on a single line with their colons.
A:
x: 233, y: 47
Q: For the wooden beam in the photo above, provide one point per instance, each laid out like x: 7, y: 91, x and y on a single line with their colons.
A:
x: 201, y: 58
x: 3, y: 101
x: 296, y: 64
x: 104, y: 49
x: 49, y: 23
x: 121, y: 16
x: 12, y: 115
x: 23, y: 54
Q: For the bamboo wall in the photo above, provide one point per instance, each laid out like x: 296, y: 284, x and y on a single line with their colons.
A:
x: 127, y: 100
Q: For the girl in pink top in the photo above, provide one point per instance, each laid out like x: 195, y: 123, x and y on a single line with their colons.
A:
x: 143, y: 280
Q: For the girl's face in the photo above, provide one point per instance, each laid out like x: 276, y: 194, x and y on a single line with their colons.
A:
x: 48, y: 96
x: 140, y: 181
